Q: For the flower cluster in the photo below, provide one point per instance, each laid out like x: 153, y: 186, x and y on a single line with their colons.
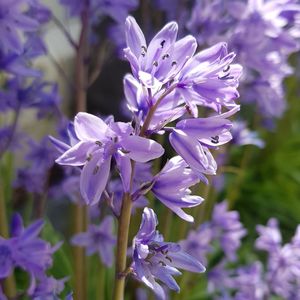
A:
x: 279, y: 278
x: 225, y: 229
x: 168, y: 85
x: 167, y: 82
x: 27, y: 251
x: 263, y: 34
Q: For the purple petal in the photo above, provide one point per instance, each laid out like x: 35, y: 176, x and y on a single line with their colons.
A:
x: 81, y: 239
x: 189, y: 149
x: 77, y: 155
x: 89, y: 127
x: 161, y: 43
x: 184, y: 261
x: 33, y: 230
x: 167, y: 279
x: 124, y: 166
x: 141, y: 149
x: 148, y: 224
x: 59, y: 145
x: 16, y: 226
x: 134, y: 36
x: 93, y: 179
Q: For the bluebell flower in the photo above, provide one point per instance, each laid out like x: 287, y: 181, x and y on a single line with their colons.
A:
x: 98, y: 239
x: 228, y: 229
x: 98, y: 143
x: 154, y: 259
x: 244, y: 136
x: 171, y: 186
x: 47, y: 288
x: 208, y: 78
x: 25, y: 250
x: 192, y: 139
x: 13, y: 20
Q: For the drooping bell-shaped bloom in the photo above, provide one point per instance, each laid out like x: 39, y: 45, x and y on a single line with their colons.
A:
x: 97, y: 143
x: 154, y: 259
x: 98, y: 239
x: 25, y: 250
x: 171, y: 187
x: 192, y: 139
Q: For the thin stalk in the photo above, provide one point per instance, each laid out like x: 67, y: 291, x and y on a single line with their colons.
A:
x: 167, y: 223
x: 153, y: 109
x: 80, y: 211
x: 9, y: 283
x: 201, y: 209
x: 63, y: 29
x: 100, y: 292
x: 122, y: 242
x: 234, y: 192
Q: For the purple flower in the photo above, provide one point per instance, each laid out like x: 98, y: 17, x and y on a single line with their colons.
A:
x: 243, y: 136
x: 46, y: 288
x: 34, y: 177
x: 98, y: 239
x: 192, y: 139
x: 12, y: 19
x: 199, y: 242
x: 171, y: 187
x: 207, y: 78
x: 210, y: 20
x: 269, y: 236
x: 25, y: 250
x: 210, y: 79
x: 154, y: 259
x: 16, y: 64
x: 141, y: 176
x: 283, y: 267
x: 162, y: 59
x: 249, y: 283
x: 229, y: 229
x: 98, y: 143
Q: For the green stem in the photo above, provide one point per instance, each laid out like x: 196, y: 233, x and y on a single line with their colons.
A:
x: 234, y: 192
x: 80, y: 212
x: 100, y: 292
x: 9, y: 283
x: 122, y: 243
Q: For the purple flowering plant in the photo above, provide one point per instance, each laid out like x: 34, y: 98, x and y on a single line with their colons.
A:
x: 145, y: 176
